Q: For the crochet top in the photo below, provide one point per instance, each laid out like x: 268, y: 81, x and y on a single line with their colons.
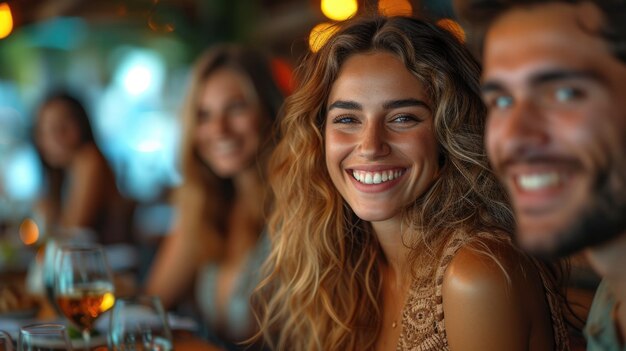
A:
x: 423, y: 322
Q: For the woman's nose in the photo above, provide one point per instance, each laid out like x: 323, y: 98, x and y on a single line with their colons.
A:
x: 373, y: 142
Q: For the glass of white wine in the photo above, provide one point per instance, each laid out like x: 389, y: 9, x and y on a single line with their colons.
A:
x: 84, y: 287
x: 139, y: 324
x: 43, y: 337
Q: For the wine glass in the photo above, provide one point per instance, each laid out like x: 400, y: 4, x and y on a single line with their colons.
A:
x: 139, y: 324
x: 6, y: 343
x: 43, y: 337
x: 56, y: 238
x: 84, y: 285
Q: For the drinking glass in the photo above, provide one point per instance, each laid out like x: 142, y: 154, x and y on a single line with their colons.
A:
x: 50, y: 258
x: 84, y: 286
x: 6, y: 343
x: 139, y: 324
x: 43, y: 337
x: 58, y: 237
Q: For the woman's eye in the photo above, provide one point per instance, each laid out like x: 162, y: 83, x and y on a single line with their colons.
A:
x: 404, y: 119
x: 237, y: 106
x: 344, y: 120
x: 202, y: 116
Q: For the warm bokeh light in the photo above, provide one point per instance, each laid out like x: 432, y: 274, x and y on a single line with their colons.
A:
x: 453, y: 27
x: 108, y: 300
x: 339, y: 10
x: 29, y: 232
x: 6, y: 20
x: 320, y: 34
x: 391, y: 8
x: 283, y: 74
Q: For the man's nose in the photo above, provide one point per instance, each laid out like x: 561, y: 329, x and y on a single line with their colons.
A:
x: 524, y: 126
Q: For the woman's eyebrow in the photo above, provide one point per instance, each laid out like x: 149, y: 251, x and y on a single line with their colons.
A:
x: 405, y: 103
x: 346, y: 105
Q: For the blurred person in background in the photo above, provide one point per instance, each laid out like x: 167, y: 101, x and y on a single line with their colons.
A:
x: 554, y: 81
x: 390, y: 231
x: 217, y: 243
x: 80, y: 191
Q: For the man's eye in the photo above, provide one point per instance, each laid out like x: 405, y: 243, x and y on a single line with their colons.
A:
x: 503, y: 102
x: 565, y: 94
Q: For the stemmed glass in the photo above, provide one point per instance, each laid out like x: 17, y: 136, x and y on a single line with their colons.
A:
x: 84, y: 286
x: 6, y: 343
x: 139, y: 324
x: 43, y: 337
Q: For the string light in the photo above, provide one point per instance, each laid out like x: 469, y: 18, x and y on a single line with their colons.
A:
x: 6, y: 20
x: 391, y: 8
x: 339, y: 10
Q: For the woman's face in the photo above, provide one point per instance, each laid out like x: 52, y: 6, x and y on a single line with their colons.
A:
x: 381, y: 151
x: 229, y: 122
x: 57, y: 133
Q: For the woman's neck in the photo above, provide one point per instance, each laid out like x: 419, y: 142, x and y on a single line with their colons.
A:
x: 390, y: 236
x: 248, y: 187
x: 246, y: 214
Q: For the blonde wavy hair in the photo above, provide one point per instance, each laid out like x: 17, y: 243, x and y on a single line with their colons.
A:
x: 204, y: 199
x: 323, y: 287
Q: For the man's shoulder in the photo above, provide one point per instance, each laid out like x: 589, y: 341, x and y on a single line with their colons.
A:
x: 600, y: 329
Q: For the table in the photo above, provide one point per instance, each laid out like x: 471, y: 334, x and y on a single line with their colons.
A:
x: 183, y: 340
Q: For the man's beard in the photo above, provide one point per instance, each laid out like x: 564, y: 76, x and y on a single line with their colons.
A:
x: 602, y: 219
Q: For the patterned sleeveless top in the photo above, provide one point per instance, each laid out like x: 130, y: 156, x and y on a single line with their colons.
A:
x: 423, y: 327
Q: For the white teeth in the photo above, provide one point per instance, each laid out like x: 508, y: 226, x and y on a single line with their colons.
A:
x: 368, y: 178
x: 538, y: 181
x: 378, y: 178
x: 375, y: 177
x: 226, y: 146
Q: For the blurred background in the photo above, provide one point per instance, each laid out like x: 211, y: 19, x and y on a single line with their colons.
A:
x: 129, y: 60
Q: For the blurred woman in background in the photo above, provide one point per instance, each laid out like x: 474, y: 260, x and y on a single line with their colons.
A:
x: 80, y: 188
x: 217, y: 241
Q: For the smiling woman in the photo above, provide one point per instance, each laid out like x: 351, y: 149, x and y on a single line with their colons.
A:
x: 217, y: 243
x: 387, y: 218
x: 381, y: 151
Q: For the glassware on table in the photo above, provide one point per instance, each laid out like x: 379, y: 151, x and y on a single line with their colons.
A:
x: 58, y: 237
x: 50, y: 257
x: 43, y: 337
x: 83, y: 286
x: 139, y: 324
x: 6, y: 343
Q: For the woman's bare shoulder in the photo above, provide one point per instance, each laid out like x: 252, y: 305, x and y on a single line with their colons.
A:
x: 485, y: 289
x: 488, y: 263
x: 90, y: 160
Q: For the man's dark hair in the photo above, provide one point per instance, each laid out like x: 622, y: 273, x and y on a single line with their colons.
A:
x: 478, y: 15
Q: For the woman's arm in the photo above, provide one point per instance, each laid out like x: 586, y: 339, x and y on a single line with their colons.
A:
x: 495, y: 303
x: 174, y: 267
